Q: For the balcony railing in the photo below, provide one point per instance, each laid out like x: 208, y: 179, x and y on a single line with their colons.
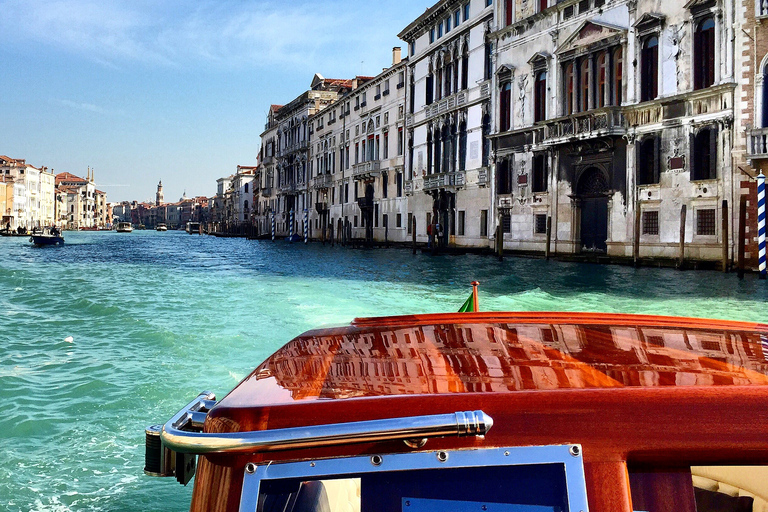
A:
x: 322, y: 181
x: 444, y: 105
x: 448, y: 179
x: 266, y: 192
x: 758, y: 143
x: 288, y: 188
x: 606, y: 121
x: 482, y: 177
x: 366, y: 169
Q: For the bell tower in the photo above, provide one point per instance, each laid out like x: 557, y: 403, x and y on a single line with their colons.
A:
x: 159, y: 196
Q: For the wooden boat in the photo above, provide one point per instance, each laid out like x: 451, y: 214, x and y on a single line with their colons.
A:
x: 46, y: 239
x: 124, y: 227
x: 161, y: 227
x: 525, y: 412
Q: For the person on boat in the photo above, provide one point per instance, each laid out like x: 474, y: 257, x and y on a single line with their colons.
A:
x: 54, y: 231
x: 429, y: 236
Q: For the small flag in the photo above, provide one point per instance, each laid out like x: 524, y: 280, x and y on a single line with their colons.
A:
x: 469, y: 305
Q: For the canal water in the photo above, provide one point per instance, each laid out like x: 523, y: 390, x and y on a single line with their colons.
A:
x: 112, y: 332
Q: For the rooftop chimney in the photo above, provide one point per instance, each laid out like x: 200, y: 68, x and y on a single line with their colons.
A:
x: 396, y: 55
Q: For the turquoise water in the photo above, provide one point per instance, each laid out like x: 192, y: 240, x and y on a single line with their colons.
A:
x: 113, y: 332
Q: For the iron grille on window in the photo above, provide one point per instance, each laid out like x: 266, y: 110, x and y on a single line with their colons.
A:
x: 705, y: 222
x: 506, y: 223
x: 540, y: 223
x: 651, y: 223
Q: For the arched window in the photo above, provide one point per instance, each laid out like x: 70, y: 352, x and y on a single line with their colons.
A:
x: 437, y: 147
x: 430, y: 82
x: 765, y: 98
x: 584, y: 85
x: 540, y: 97
x: 463, y: 146
x: 618, y: 76
x: 602, y: 80
x: 508, y: 12
x: 649, y: 74
x: 505, y: 105
x: 439, y: 83
x: 486, y: 141
x: 447, y: 151
x: 704, y: 54
x: 448, y: 78
x: 246, y: 188
x: 429, y: 152
x: 569, y: 89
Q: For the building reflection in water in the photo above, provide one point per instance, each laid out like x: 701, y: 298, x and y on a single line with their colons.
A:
x: 483, y: 358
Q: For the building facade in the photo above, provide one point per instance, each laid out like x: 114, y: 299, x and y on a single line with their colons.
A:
x: 448, y: 122
x: 613, y: 121
x: 357, y: 148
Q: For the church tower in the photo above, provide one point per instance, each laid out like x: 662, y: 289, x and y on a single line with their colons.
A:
x: 159, y: 196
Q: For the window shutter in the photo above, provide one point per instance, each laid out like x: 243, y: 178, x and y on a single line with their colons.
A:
x: 712, y: 154
x: 694, y: 166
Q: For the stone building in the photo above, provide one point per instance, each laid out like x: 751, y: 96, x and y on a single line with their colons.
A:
x: 34, y: 193
x: 265, y: 195
x: 750, y: 148
x: 357, y: 153
x: 448, y: 120
x: 288, y: 132
x: 242, y: 195
x: 610, y: 118
x: 79, y: 200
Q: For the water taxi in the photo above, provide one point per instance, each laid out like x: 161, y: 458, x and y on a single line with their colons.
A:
x: 511, y: 412
x: 194, y: 228
x: 46, y: 238
x: 124, y: 227
x: 161, y: 227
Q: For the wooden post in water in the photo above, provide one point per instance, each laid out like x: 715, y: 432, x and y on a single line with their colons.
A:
x: 500, y: 242
x: 636, y: 245
x: 725, y: 235
x: 549, y: 238
x: 742, y: 234
x: 413, y: 233
x: 681, y: 259
x: 330, y: 232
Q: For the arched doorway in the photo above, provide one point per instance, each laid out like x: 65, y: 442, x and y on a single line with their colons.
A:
x: 593, y: 193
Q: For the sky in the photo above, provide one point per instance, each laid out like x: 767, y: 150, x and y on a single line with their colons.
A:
x: 149, y: 90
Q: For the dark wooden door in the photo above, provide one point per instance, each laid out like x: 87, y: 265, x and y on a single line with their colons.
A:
x: 594, y: 224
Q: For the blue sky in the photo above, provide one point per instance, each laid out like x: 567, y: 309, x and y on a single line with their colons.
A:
x: 144, y: 90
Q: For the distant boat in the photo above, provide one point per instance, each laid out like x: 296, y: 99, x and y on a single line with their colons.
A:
x: 49, y: 238
x: 161, y: 227
x: 124, y: 227
x: 193, y: 228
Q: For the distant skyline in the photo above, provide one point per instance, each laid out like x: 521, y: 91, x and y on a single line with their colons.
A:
x: 148, y: 90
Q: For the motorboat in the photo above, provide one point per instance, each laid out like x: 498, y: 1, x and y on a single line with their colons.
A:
x: 194, y: 228
x: 46, y: 238
x: 124, y: 227
x: 161, y: 227
x: 524, y: 412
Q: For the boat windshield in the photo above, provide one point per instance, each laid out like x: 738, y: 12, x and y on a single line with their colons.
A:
x: 506, y: 480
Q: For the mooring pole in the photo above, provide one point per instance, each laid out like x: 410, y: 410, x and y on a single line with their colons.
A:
x: 636, y: 246
x: 413, y: 233
x: 306, y: 226
x: 549, y: 238
x: 742, y: 234
x: 475, y: 302
x: 725, y: 236
x: 681, y: 259
x: 500, y: 242
x: 273, y: 225
x: 761, y: 224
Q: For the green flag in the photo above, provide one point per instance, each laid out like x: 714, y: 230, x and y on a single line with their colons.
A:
x: 469, y: 305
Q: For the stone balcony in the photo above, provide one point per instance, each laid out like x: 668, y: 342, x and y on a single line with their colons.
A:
x: 757, y: 143
x: 266, y: 192
x: 454, y: 180
x: 324, y: 181
x: 366, y: 170
x: 608, y: 121
x: 321, y: 207
x: 482, y: 177
x: 288, y: 188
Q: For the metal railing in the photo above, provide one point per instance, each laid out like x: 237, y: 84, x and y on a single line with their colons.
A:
x: 176, y: 434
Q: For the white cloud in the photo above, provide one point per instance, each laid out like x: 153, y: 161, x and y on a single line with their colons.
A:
x: 89, y: 107
x: 227, y: 33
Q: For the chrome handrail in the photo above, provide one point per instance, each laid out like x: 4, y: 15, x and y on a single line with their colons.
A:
x: 468, y: 423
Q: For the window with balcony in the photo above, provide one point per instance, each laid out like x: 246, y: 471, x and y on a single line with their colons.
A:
x: 465, y: 68
x: 540, y: 97
x: 539, y: 173
x: 543, y: 4
x: 704, y: 164
x: 505, y: 106
x: 429, y: 152
x: 463, y: 146
x: 429, y: 90
x: 584, y: 85
x: 704, y: 53
x: 569, y: 89
x: 618, y: 76
x: 649, y: 70
x: 648, y: 160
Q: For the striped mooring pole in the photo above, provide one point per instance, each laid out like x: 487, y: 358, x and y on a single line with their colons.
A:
x: 290, y: 230
x: 273, y: 225
x: 761, y: 223
x: 306, y: 225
